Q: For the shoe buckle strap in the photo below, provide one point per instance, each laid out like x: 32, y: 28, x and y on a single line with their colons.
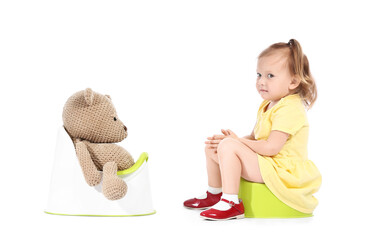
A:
x: 231, y: 204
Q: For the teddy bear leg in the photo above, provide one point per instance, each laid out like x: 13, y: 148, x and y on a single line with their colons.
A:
x: 113, y: 187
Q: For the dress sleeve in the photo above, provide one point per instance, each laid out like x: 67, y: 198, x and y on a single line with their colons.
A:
x: 288, y: 118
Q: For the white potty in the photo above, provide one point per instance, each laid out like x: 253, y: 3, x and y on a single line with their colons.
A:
x: 70, y: 194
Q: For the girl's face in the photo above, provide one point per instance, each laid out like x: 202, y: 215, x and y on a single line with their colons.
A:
x: 274, y: 80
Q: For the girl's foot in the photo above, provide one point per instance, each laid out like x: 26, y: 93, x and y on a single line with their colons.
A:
x: 203, y: 203
x: 235, y: 211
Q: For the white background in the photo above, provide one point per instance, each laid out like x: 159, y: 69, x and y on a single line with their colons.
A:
x: 179, y: 71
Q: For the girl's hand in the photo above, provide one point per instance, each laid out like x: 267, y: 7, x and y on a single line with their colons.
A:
x: 230, y: 133
x: 214, y: 141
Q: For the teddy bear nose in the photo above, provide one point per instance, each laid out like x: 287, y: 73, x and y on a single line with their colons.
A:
x: 125, y: 128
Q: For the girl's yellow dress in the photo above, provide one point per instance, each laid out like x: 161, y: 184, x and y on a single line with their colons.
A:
x: 290, y: 175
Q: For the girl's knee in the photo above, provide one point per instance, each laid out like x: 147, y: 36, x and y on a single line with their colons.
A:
x: 227, y: 144
x: 210, y: 152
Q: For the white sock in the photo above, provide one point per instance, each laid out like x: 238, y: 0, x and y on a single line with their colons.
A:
x: 223, y: 206
x: 214, y: 190
x: 210, y: 190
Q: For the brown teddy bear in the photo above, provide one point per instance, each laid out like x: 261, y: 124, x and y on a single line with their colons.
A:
x: 93, y: 125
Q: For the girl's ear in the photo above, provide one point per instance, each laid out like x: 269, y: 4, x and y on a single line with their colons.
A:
x: 294, y: 83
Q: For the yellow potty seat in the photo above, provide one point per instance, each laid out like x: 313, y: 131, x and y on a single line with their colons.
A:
x: 70, y: 195
x: 260, y: 202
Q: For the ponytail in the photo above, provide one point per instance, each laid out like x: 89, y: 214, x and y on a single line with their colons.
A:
x: 301, y: 69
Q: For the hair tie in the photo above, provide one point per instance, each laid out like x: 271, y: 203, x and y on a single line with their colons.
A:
x: 291, y: 42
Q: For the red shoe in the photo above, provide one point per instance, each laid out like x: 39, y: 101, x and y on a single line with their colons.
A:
x: 204, y: 203
x: 237, y: 211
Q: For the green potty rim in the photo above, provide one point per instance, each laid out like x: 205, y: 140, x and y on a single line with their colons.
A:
x: 143, y: 157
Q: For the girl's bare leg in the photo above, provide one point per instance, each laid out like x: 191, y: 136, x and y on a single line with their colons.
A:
x: 213, y: 170
x: 235, y: 160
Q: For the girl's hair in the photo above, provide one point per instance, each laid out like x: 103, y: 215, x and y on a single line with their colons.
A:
x: 298, y: 67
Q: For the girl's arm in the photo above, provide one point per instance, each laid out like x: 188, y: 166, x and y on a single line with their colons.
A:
x: 269, y: 147
x: 251, y: 136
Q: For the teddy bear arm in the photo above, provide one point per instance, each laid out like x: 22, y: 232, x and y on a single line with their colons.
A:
x: 90, y: 172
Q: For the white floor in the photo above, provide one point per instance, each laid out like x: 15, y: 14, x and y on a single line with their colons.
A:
x: 181, y: 223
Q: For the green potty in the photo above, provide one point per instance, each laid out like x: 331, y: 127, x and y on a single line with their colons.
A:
x: 260, y: 202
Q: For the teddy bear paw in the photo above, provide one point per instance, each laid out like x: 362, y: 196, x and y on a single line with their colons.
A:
x: 94, y: 179
x: 114, y: 188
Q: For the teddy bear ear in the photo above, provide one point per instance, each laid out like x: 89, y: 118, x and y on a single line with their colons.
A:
x: 108, y: 96
x: 88, y: 96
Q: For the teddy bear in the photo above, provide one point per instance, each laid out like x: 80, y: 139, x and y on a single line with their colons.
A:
x: 94, y: 127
